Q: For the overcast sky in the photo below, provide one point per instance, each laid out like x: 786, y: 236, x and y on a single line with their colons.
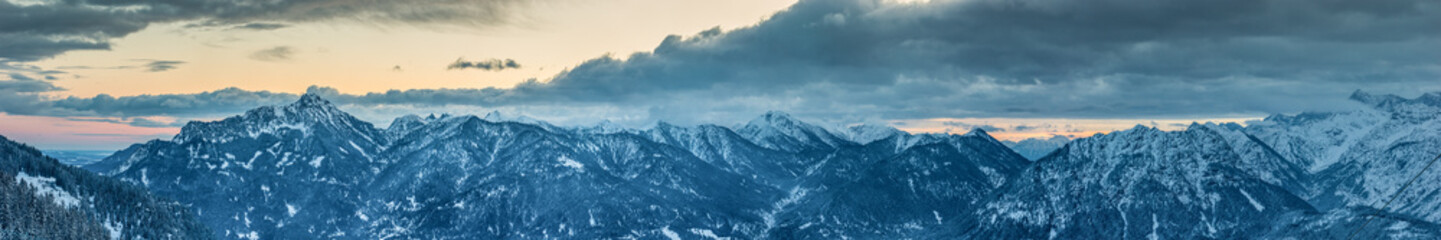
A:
x: 102, y: 74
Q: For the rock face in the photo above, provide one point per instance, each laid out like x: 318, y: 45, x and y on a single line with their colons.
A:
x: 307, y: 169
x: 41, y: 198
x: 277, y: 172
x: 1144, y: 182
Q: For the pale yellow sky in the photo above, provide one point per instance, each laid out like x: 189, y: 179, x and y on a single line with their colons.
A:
x: 545, y: 38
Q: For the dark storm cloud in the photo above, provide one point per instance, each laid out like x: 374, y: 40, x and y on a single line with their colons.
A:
x: 30, y: 32
x: 274, y: 54
x: 488, y: 65
x: 1020, y: 58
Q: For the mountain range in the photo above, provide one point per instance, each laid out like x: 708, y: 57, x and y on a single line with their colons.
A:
x: 309, y: 170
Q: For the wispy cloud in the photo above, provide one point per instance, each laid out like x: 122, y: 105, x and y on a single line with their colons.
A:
x: 149, y: 65
x: 274, y: 54
x: 161, y: 65
x: 260, y: 26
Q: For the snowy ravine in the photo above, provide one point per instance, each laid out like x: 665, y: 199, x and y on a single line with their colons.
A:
x: 308, y: 170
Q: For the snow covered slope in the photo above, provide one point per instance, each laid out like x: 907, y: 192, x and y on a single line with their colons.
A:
x: 288, y: 172
x: 1139, y: 182
x: 1361, y: 158
x: 780, y: 131
x: 41, y: 198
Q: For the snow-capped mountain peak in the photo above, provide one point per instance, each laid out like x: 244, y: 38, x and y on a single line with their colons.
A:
x: 867, y: 133
x: 307, y: 115
x: 311, y: 99
x: 778, y: 130
x: 1423, y: 107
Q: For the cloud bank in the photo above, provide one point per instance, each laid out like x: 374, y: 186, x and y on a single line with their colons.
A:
x: 37, y: 30
x: 861, y: 60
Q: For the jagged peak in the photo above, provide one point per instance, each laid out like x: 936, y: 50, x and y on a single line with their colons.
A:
x: 306, y: 114
x: 311, y: 99
x: 981, y: 133
x: 607, y: 126
x: 779, y: 119
x: 494, y: 116
x: 1141, y: 127
x: 978, y: 132
x: 410, y: 119
x: 1383, y: 100
x: 1425, y: 106
x: 413, y: 117
x: 1372, y: 99
x: 776, y: 115
x: 663, y: 126
x: 774, y: 118
x: 866, y: 133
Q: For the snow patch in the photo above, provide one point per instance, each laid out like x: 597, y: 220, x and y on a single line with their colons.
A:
x: 669, y: 234
x: 143, y: 178
x: 361, y: 150
x: 316, y: 163
x: 291, y: 209
x: 45, y: 186
x: 1155, y: 225
x: 707, y: 233
x: 272, y: 129
x: 1257, y: 205
x: 566, y: 161
x: 114, y: 228
x: 252, y: 235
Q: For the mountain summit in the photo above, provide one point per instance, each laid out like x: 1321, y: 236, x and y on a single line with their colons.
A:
x: 779, y: 131
x: 255, y: 174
